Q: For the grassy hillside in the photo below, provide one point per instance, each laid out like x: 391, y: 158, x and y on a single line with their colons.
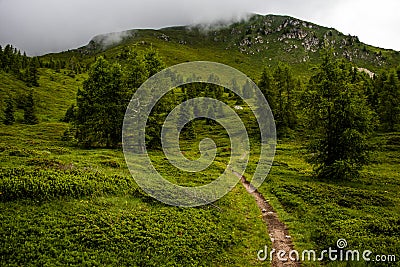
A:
x: 248, y: 45
x: 64, y: 205
x: 56, y: 92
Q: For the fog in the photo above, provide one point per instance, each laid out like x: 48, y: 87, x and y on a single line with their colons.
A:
x: 43, y: 26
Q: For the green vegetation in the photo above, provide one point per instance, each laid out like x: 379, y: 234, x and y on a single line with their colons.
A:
x: 64, y: 205
x: 339, y: 121
x: 364, y: 211
x: 67, y: 197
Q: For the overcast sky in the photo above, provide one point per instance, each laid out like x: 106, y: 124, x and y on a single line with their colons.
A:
x: 42, y: 26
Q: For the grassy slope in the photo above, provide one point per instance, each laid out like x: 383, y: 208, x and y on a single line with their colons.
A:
x: 102, y: 225
x: 222, y: 44
x: 77, y: 207
x: 365, y: 211
x: 55, y: 94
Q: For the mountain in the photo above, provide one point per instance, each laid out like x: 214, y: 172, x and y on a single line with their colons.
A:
x: 248, y: 45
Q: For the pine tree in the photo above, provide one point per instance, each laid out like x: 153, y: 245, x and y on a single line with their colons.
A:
x: 248, y: 91
x: 1, y: 57
x: 101, y: 106
x: 389, y: 103
x: 29, y: 110
x: 210, y: 113
x: 278, y: 89
x: 188, y: 131
x: 69, y: 114
x: 339, y: 121
x: 9, y: 118
x: 7, y: 57
x: 236, y: 87
x: 136, y: 71
x: 265, y: 84
x: 153, y: 62
x: 31, y: 75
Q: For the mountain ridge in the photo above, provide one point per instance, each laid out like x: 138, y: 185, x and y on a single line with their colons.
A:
x: 259, y: 41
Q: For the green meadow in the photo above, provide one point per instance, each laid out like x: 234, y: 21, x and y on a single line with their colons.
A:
x: 63, y: 204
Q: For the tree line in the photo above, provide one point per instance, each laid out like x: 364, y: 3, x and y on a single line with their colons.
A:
x: 101, y: 103
x: 340, y: 108
x: 336, y: 110
x: 23, y: 67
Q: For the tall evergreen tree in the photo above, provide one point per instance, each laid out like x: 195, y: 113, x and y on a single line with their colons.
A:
x: 210, y: 113
x: 31, y: 74
x: 69, y: 114
x: 29, y: 110
x: 136, y: 71
x: 247, y: 90
x: 153, y: 62
x: 389, y: 103
x: 101, y: 106
x: 236, y: 87
x: 265, y: 84
x: 1, y: 57
x: 9, y: 118
x: 278, y: 88
x: 188, y: 131
x: 339, y: 121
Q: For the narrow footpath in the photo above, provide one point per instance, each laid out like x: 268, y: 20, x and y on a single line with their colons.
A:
x: 278, y: 231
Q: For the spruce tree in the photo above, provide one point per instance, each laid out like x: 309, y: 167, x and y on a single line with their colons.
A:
x: 31, y: 74
x: 9, y: 118
x: 69, y: 114
x: 101, y: 106
x: 29, y: 110
x: 389, y: 103
x: 266, y: 87
x: 339, y: 121
x: 248, y: 91
x: 188, y: 131
x: 153, y: 62
x: 136, y: 72
x: 1, y: 57
x: 278, y: 88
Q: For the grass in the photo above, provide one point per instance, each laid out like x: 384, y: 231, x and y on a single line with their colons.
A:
x: 62, y: 205
x: 364, y: 211
x: 223, y: 45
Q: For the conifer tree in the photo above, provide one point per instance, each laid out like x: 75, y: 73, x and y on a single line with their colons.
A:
x: 339, y: 121
x: 265, y: 84
x: 247, y: 90
x: 9, y: 118
x: 389, y: 103
x: 32, y: 76
x: 188, y: 131
x: 278, y: 89
x: 29, y: 110
x: 136, y: 71
x: 153, y: 62
x: 101, y: 106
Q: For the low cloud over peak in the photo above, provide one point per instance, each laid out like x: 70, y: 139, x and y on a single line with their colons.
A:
x: 42, y: 26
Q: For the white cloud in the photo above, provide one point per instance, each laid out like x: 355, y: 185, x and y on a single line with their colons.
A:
x: 39, y: 26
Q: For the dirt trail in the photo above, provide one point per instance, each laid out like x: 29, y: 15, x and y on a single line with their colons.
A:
x: 278, y: 231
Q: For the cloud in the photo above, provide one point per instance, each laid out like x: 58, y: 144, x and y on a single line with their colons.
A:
x: 41, y: 26
x: 109, y: 39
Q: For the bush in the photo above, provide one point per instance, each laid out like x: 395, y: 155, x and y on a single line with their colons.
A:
x: 48, y: 184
